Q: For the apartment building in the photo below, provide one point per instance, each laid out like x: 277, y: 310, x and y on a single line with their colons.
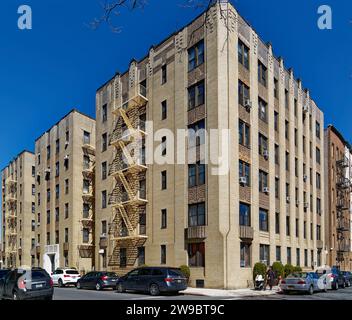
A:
x: 338, y: 173
x: 268, y: 207
x: 18, y: 194
x: 64, y: 204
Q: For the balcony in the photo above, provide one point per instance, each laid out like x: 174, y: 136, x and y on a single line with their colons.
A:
x: 10, y: 198
x: 138, y: 97
x: 88, y: 194
x: 246, y: 233
x: 117, y: 168
x: 197, y: 232
x: 88, y: 147
x: 127, y: 136
x: 87, y: 222
x: 124, y: 199
x: 11, y: 181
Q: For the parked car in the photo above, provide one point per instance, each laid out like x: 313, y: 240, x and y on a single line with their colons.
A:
x: 348, y: 278
x: 64, y: 277
x: 334, y: 277
x: 4, y: 272
x: 308, y: 282
x: 98, y: 280
x: 27, y: 284
x: 153, y: 280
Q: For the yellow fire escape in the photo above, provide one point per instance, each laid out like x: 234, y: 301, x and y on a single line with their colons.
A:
x: 86, y: 248
x: 128, y: 198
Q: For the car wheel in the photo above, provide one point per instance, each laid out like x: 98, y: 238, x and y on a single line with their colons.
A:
x: 344, y: 285
x: 311, y: 290
x: 285, y: 292
x: 154, y: 290
x: 60, y: 283
x: 98, y: 287
x: 78, y: 285
x: 120, y: 288
x: 15, y: 296
x: 336, y: 286
x: 49, y: 298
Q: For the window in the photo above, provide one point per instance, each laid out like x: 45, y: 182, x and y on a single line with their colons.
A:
x: 85, y: 235
x: 262, y: 144
x: 243, y: 93
x: 86, y: 210
x: 57, y: 237
x: 33, y: 171
x: 103, y: 199
x: 277, y: 188
x: 48, y: 195
x: 33, y: 207
x: 104, y: 142
x: 245, y: 255
x: 276, y: 88
x: 57, y: 146
x: 196, y: 134
x: 196, y: 55
x: 277, y: 154
x: 243, y: 134
x: 305, y: 230
x: 66, y: 235
x: 66, y: 210
x: 317, y: 129
x: 164, y: 110
x: 67, y: 136
x: 305, y: 257
x: 38, y: 219
x: 196, y: 174
x: 245, y: 214
x: 163, y: 146
x: 318, y: 206
x: 164, y: 180
x: 163, y: 219
x: 104, y: 113
x: 163, y: 254
x: 263, y: 220
x: 86, y: 186
x: 296, y: 167
x: 287, y: 161
x: 287, y: 130
x: 104, y: 229
x: 196, y: 95
x: 48, y: 152
x: 48, y: 217
x: 297, y: 228
x: 295, y: 107
x: 288, y: 226
x: 289, y: 256
x: 245, y: 171
x: 164, y: 74
x: 104, y: 170
x: 277, y: 223
x: 196, y: 214
x: 196, y: 254
x: 48, y: 238
x: 264, y: 252
x: 263, y: 108
x: 57, y: 191
x: 86, y: 137
x: 33, y: 190
x: 276, y: 121
x: 318, y: 155
x: 286, y: 99
x: 141, y: 256
x: 298, y: 257
x: 66, y: 186
x: 262, y: 73
x: 263, y: 180
x: 278, y: 253
x: 318, y: 181
x: 243, y: 54
x: 296, y: 137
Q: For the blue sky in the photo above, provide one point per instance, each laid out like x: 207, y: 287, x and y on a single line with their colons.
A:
x: 59, y: 64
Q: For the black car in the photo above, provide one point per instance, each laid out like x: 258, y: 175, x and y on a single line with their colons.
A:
x: 26, y: 284
x: 98, y: 280
x: 348, y: 278
x: 153, y: 280
x: 3, y: 273
x: 338, y: 279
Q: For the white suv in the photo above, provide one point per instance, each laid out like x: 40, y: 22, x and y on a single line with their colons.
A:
x: 63, y: 277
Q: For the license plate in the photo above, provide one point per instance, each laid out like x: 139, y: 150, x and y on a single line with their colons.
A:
x: 39, y: 286
x: 291, y: 287
x: 179, y: 281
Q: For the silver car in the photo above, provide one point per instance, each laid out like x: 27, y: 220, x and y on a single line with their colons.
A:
x: 308, y: 282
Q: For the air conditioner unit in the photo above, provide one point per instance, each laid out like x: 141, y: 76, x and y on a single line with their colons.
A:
x: 305, y: 178
x: 66, y: 157
x: 248, y: 104
x: 47, y: 170
x: 103, y: 236
x: 243, y: 180
x: 266, y: 154
x: 306, y: 205
x: 306, y: 108
x: 288, y: 199
x: 266, y: 190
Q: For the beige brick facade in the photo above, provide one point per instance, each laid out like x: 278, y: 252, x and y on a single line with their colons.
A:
x: 221, y: 263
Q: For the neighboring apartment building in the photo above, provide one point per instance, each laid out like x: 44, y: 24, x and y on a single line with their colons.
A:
x: 65, y: 194
x: 18, y: 194
x: 338, y: 173
x: 269, y: 206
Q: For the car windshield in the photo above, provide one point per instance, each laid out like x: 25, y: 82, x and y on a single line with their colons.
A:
x: 175, y: 272
x: 72, y: 272
x: 110, y: 274
x: 298, y: 275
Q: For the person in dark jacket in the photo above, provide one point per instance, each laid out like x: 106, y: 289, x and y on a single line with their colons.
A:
x: 270, y: 276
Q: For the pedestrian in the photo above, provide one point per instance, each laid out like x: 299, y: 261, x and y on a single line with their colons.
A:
x: 270, y: 275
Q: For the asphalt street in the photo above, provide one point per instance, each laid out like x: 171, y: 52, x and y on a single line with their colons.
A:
x: 71, y: 293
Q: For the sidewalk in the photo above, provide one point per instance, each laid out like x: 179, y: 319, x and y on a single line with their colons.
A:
x: 239, y: 293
